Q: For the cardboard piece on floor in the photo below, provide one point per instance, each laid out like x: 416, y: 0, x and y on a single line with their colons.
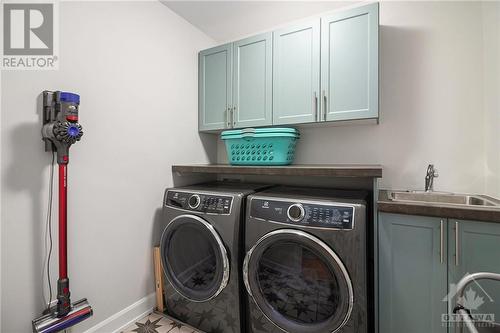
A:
x: 158, y: 279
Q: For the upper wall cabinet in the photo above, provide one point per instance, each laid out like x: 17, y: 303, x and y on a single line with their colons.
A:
x: 215, y: 87
x: 296, y: 73
x: 235, y: 84
x: 324, y: 69
x: 252, y: 89
x: 349, y: 64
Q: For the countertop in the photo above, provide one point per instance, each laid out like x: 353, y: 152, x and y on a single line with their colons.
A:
x: 305, y: 170
x: 474, y: 213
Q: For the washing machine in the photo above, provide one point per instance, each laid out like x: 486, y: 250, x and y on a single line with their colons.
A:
x: 305, y: 269
x: 201, y: 253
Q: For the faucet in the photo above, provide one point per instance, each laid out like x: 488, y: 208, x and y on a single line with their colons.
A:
x: 429, y: 178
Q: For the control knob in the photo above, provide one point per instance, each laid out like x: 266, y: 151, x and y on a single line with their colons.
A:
x: 296, y: 212
x: 194, y: 201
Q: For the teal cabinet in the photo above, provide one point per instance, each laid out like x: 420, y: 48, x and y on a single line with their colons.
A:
x: 215, y: 87
x: 321, y: 70
x: 412, y: 273
x: 420, y: 261
x: 475, y: 247
x: 252, y: 89
x: 296, y: 61
x: 235, y: 84
x: 349, y: 64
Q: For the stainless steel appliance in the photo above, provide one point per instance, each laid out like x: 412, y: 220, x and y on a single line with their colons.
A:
x: 201, y: 254
x: 306, y: 264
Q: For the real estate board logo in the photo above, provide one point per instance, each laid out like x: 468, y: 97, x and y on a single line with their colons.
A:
x: 29, y: 35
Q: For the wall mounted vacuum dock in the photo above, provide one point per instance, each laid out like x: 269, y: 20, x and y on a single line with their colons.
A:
x: 60, y: 130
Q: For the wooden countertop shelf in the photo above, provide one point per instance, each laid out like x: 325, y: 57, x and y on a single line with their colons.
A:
x: 303, y: 170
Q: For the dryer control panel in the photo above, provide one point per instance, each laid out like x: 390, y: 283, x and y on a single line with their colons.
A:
x: 199, y: 202
x: 307, y: 214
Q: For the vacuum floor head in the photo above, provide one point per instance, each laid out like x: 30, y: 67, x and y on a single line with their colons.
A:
x: 51, y: 323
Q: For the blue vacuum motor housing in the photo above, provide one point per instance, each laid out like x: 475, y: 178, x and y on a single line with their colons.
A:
x: 69, y: 97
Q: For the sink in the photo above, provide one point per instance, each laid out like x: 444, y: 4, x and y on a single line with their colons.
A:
x: 442, y: 198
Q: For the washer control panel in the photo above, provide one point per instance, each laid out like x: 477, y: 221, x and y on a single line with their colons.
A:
x: 199, y: 202
x: 335, y: 215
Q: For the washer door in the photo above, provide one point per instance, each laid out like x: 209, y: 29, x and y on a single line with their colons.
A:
x: 298, y: 282
x: 194, y: 258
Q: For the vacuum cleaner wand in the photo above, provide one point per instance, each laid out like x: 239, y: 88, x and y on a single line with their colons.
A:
x: 60, y: 130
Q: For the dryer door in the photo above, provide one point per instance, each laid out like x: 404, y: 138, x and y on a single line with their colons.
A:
x: 298, y: 282
x: 194, y: 258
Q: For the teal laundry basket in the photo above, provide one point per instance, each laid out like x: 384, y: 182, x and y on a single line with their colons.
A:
x: 261, y: 146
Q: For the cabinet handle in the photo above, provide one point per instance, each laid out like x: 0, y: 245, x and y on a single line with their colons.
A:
x: 228, y: 121
x: 325, y: 107
x: 441, y: 247
x: 457, y: 246
x: 232, y: 116
x: 316, y: 113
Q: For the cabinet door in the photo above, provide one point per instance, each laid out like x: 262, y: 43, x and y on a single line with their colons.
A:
x: 412, y: 273
x: 478, y: 247
x: 215, y: 87
x: 296, y: 73
x: 252, y: 89
x: 349, y: 64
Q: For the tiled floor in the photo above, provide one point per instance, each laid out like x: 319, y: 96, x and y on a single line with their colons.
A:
x: 157, y: 322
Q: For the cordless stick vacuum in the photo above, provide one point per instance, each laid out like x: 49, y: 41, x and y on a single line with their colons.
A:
x: 60, y: 130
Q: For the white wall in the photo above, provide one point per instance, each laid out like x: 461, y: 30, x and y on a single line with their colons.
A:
x: 135, y: 66
x: 230, y: 20
x: 431, y: 101
x: 491, y: 31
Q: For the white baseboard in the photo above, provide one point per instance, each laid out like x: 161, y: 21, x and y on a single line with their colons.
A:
x: 125, y: 317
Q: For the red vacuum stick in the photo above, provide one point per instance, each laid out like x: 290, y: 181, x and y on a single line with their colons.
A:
x: 60, y: 130
x: 63, y: 215
x: 63, y: 294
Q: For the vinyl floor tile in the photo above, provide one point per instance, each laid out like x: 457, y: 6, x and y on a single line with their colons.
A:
x: 159, y: 323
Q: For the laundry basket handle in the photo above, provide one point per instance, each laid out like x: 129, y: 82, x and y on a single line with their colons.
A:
x: 248, y: 132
